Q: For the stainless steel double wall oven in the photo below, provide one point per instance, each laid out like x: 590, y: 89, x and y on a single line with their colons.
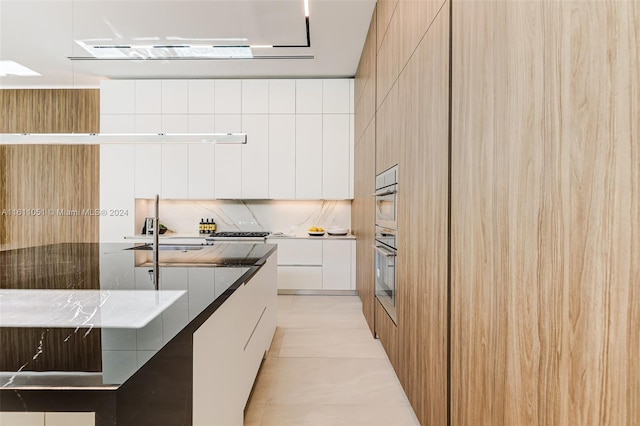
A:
x: 385, y: 239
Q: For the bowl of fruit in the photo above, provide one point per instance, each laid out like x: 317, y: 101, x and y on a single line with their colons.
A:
x: 316, y: 231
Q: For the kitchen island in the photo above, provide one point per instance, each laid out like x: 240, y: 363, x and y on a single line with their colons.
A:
x: 83, y: 329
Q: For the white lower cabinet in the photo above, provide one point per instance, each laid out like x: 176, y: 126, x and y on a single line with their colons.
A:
x: 305, y: 264
x: 336, y: 265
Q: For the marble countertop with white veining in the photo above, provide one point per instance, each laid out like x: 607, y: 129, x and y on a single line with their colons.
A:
x: 89, y: 314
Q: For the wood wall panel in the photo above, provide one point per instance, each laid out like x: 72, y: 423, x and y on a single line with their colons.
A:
x: 386, y: 9
x: 388, y: 60
x: 416, y: 17
x: 363, y: 221
x: 545, y: 213
x: 388, y: 334
x: 46, y: 188
x: 388, y: 128
x: 422, y: 224
x: 48, y: 176
x: 50, y: 110
x: 365, y: 82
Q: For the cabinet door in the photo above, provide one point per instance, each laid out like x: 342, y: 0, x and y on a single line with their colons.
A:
x: 116, y: 192
x: 299, y: 277
x: 175, y: 97
x: 175, y: 165
x: 309, y: 96
x: 299, y: 252
x: 201, y: 176
x: 117, y: 123
x: 335, y: 96
x: 228, y: 98
x: 117, y: 97
x: 335, y: 156
x: 148, y: 123
x: 148, y: 97
x: 282, y: 96
x: 148, y: 170
x: 228, y: 159
x: 255, y: 157
x: 282, y: 156
x: 255, y: 96
x: 175, y: 123
x: 336, y: 264
x: 309, y: 156
x: 201, y: 97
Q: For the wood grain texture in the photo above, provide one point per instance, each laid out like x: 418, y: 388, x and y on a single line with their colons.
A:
x: 388, y: 60
x: 422, y: 224
x: 50, y: 110
x: 59, y: 267
x: 388, y: 129
x: 387, y: 331
x: 386, y: 9
x: 365, y: 82
x: 363, y: 222
x: 416, y: 17
x: 45, y: 189
x: 545, y: 213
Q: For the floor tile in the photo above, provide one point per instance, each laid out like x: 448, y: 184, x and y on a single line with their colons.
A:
x: 284, y: 301
x: 254, y: 414
x: 338, y: 415
x: 319, y: 319
x: 331, y: 381
x: 336, y: 343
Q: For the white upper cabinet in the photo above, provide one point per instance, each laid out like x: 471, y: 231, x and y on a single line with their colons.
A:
x: 255, y: 156
x: 309, y: 156
x: 202, y: 123
x: 118, y: 123
x: 117, y: 97
x: 201, y: 176
x: 201, y: 96
x: 175, y: 123
x: 175, y: 96
x: 335, y: 156
x: 148, y: 173
x: 228, y: 159
x: 255, y: 96
x: 308, y: 96
x: 148, y: 96
x: 351, y: 96
x: 282, y: 156
x: 175, y: 165
x: 335, y: 96
x: 282, y: 96
x: 148, y: 123
x: 228, y: 99
x: 116, y: 191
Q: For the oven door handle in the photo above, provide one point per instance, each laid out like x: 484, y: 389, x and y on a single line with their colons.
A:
x: 385, y: 252
x: 386, y: 191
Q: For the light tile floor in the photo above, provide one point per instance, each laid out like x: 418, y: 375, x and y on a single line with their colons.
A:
x: 324, y: 368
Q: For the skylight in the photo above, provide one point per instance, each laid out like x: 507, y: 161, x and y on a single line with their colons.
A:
x: 225, y: 48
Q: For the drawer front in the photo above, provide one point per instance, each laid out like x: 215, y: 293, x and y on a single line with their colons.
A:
x: 299, y: 252
x: 299, y: 277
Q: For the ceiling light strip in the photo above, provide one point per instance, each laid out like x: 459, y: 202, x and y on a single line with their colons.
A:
x: 91, y: 58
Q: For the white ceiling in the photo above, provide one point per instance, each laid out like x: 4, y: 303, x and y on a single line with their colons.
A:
x: 40, y: 35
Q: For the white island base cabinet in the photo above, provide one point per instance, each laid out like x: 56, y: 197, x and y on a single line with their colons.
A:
x: 229, y: 347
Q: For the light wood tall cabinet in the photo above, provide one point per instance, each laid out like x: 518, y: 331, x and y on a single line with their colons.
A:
x: 519, y: 214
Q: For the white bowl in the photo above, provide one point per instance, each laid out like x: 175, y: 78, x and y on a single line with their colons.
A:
x: 337, y: 231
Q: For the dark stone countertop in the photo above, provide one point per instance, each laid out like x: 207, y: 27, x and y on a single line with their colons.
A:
x: 80, y: 316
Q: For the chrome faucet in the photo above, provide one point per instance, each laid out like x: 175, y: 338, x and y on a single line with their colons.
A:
x: 156, y: 242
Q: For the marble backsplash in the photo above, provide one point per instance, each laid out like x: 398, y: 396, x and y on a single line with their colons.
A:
x: 295, y: 216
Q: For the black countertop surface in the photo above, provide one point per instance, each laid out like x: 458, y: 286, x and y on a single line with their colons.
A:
x: 87, y: 316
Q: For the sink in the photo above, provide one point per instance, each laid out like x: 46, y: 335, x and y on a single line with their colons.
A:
x: 173, y: 247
